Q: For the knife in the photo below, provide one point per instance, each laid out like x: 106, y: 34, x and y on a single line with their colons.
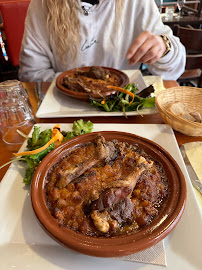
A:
x: 39, y: 93
x: 28, y: 100
x: 193, y: 176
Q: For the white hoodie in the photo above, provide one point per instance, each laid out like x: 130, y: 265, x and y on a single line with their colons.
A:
x: 99, y: 45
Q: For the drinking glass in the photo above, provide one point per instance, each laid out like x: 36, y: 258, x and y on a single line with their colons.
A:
x: 16, y: 117
x: 169, y: 13
x: 12, y: 89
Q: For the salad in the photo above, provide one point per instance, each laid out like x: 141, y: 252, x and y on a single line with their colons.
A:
x: 126, y: 99
x: 42, y: 142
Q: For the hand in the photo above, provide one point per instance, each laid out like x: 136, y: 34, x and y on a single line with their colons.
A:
x: 147, y: 48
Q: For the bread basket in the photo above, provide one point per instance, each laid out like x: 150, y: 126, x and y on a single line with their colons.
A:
x: 191, y: 97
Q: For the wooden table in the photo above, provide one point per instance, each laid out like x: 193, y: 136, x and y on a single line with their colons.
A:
x: 183, y: 21
x: 7, y: 150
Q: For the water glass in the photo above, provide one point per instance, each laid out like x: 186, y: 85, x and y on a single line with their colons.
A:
x: 16, y: 116
x: 12, y: 89
x: 169, y: 13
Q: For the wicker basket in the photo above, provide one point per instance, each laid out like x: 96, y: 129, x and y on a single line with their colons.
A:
x: 190, y: 96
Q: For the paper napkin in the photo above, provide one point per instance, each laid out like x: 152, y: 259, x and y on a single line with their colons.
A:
x: 135, y: 76
x: 156, y: 81
x: 194, y: 154
x: 153, y: 255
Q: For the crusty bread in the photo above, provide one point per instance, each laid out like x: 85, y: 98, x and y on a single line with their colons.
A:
x: 181, y: 110
x: 197, y: 116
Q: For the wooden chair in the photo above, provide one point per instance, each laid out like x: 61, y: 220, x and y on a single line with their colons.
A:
x: 192, y: 40
x: 195, y: 9
x: 13, y: 15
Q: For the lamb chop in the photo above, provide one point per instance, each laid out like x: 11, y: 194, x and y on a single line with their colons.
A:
x: 105, y: 151
x: 94, y: 73
x: 75, y: 84
x: 114, y: 203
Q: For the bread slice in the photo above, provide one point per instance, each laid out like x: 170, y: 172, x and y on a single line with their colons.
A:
x: 197, y: 116
x: 181, y: 110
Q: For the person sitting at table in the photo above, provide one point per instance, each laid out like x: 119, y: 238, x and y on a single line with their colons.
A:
x: 61, y: 35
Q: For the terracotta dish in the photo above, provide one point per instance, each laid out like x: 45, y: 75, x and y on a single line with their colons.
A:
x: 123, y: 81
x: 125, y: 244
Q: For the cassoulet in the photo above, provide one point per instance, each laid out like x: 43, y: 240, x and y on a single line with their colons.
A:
x: 93, y: 81
x: 106, y: 188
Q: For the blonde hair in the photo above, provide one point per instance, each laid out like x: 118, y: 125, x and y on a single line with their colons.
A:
x: 63, y: 21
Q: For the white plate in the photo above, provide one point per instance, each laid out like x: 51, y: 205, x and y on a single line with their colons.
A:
x: 57, y: 104
x: 24, y: 244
